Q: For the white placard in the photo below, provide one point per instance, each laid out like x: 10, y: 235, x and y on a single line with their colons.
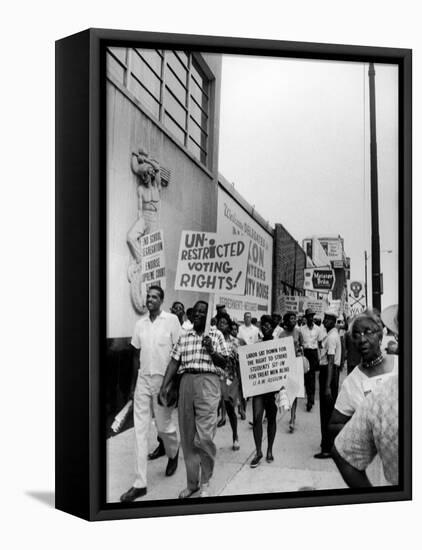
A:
x: 265, y: 367
x: 207, y: 263
x: 153, y: 267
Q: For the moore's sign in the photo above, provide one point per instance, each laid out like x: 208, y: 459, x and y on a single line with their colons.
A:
x: 319, y: 279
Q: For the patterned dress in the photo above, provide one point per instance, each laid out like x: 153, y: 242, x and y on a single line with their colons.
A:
x: 230, y: 383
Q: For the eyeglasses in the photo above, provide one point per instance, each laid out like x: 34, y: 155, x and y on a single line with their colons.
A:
x: 367, y: 333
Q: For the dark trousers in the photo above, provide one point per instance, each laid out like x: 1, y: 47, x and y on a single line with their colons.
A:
x: 326, y: 405
x: 312, y: 356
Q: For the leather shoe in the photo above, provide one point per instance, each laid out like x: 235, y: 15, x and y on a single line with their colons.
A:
x: 256, y: 460
x: 157, y: 452
x: 133, y: 494
x: 172, y: 465
x: 322, y: 455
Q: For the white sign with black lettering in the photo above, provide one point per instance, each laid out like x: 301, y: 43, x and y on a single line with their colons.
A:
x: 265, y: 367
x: 208, y: 263
x: 153, y: 261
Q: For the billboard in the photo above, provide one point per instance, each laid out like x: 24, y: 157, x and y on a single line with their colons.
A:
x: 319, y: 279
x: 333, y: 247
x: 234, y: 221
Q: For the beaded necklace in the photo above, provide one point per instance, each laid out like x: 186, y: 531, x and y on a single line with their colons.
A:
x: 374, y: 363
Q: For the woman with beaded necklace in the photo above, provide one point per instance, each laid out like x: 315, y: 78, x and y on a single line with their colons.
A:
x: 366, y: 332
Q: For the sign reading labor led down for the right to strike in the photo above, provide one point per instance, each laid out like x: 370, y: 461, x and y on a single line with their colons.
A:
x: 266, y: 366
x: 208, y: 264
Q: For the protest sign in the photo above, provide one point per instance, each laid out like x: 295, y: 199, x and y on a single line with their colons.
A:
x: 153, y: 262
x: 206, y: 263
x: 356, y: 297
x: 295, y: 383
x: 298, y: 304
x: 265, y: 367
x: 336, y: 306
x: 295, y: 304
x: 317, y: 306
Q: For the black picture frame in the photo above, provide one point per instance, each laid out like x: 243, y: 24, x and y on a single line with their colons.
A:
x: 80, y: 273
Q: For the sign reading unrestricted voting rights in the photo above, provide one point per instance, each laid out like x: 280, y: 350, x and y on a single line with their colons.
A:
x: 234, y: 220
x: 153, y: 261
x: 265, y: 367
x: 208, y: 263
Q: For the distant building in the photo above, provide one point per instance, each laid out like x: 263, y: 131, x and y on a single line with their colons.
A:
x: 328, y: 251
x: 289, y: 263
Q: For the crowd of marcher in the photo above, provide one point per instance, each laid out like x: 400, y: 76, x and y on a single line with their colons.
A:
x: 177, y: 362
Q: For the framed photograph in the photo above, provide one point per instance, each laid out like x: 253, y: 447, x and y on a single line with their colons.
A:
x: 233, y: 279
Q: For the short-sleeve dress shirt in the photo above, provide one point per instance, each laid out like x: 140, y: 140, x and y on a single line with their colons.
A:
x: 372, y: 430
x: 155, y: 340
x: 192, y: 355
x: 310, y: 336
x: 331, y: 345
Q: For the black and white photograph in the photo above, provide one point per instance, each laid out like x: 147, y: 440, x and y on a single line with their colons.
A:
x: 210, y: 298
x: 252, y: 286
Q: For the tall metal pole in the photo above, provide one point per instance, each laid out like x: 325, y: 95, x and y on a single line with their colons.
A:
x: 375, y: 241
x: 366, y: 279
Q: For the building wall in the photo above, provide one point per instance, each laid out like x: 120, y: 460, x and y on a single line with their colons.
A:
x: 188, y: 202
x: 237, y: 217
x: 288, y: 265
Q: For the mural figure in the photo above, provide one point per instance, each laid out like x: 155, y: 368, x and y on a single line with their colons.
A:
x: 148, y: 175
x: 148, y: 172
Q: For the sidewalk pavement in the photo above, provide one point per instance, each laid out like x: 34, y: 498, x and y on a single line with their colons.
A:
x: 293, y: 469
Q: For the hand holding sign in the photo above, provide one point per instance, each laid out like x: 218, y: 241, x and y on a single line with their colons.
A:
x: 207, y: 344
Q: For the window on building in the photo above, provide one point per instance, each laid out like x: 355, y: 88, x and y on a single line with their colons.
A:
x: 173, y: 87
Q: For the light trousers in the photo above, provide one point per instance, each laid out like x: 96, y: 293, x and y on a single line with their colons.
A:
x: 145, y: 404
x: 199, y: 395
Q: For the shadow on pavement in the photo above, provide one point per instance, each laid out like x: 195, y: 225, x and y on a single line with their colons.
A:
x: 46, y: 497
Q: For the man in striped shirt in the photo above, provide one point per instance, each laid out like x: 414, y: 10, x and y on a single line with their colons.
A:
x: 200, y: 359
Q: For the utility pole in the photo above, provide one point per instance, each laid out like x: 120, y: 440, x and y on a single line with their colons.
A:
x: 375, y: 238
x: 366, y: 279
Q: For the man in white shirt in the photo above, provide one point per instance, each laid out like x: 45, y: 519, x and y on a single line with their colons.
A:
x: 188, y: 324
x: 311, y: 334
x: 248, y: 332
x: 154, y: 336
x: 328, y: 379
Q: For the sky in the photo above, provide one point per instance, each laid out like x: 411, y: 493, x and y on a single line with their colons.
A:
x: 295, y: 141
